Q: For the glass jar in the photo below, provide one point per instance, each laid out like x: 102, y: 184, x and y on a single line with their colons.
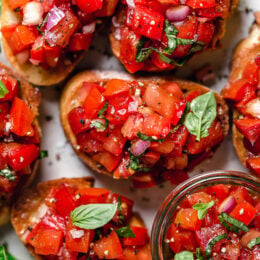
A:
x: 164, y: 216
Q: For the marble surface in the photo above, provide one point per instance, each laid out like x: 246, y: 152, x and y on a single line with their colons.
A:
x: 62, y: 161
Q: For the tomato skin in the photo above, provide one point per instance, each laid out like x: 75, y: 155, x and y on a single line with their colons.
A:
x: 92, y: 195
x: 108, y: 160
x: 116, y: 87
x: 4, y: 112
x: 254, y: 164
x: 80, y: 42
x: 219, y: 191
x: 188, y: 219
x: 123, y: 171
x: 147, y: 22
x: 251, y: 72
x: 244, y: 212
x: 21, y: 118
x: 111, y: 245
x: 201, y: 3
x: 17, y: 3
x: 199, y: 197
x: 132, y: 126
x: 89, y: 6
x: 241, y: 194
x: 11, y: 85
x: 206, y: 32
x: 108, y: 8
x: 141, y: 237
x: 88, y: 144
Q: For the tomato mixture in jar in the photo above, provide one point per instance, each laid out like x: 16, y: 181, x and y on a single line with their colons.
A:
x: 151, y: 130
x: 157, y: 35
x: 217, y: 222
x: 244, y: 95
x: 19, y: 133
x: 49, y: 32
x: 88, y: 223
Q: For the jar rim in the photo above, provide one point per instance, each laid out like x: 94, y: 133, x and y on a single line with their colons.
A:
x: 199, y: 181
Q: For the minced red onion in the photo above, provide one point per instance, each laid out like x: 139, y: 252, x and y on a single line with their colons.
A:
x: 177, y: 13
x: 34, y: 62
x: 204, y: 19
x: 133, y: 106
x: 139, y: 147
x: 89, y: 28
x: 32, y: 13
x: 131, y: 3
x: 115, y: 22
x: 54, y: 17
x: 23, y: 56
x: 228, y: 205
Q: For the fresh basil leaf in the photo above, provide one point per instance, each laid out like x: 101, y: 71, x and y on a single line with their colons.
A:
x: 203, y: 208
x: 3, y: 90
x: 8, y: 174
x: 136, y: 165
x: 232, y: 224
x: 184, y: 255
x: 199, y: 255
x: 99, y: 125
x: 212, y: 242
x: 4, y: 255
x: 43, y: 154
x: 93, y: 216
x: 149, y: 138
x: 125, y: 232
x: 203, y: 113
x: 171, y: 34
x: 253, y: 242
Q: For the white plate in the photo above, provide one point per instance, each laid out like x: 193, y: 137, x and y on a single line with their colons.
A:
x: 62, y: 161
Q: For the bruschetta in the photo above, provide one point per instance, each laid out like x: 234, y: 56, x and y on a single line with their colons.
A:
x: 68, y: 219
x: 45, y: 39
x: 149, y: 129
x: 243, y: 93
x: 156, y: 35
x: 20, y: 137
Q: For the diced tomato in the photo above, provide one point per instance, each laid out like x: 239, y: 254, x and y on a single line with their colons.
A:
x: 143, y: 253
x: 80, y: 244
x: 241, y: 194
x: 108, y: 247
x: 17, y: 3
x: 160, y: 101
x: 147, y: 22
x: 21, y: 155
x: 64, y: 202
x: 123, y: 171
x: 47, y: 241
x: 249, y: 127
x: 140, y: 239
x: 199, y: 197
x: 89, y: 6
x: 108, y: 160
x: 4, y: 112
x: 219, y: 191
x: 200, y: 3
x: 11, y: 85
x: 93, y: 102
x: 150, y: 158
x: 215, y: 136
x: 173, y: 89
x: 211, y: 217
x: 132, y: 126
x: 116, y: 87
x: 254, y: 164
x: 108, y: 8
x: 244, y: 212
x: 188, y: 219
x: 22, y: 37
x: 6, y: 185
x: 251, y: 72
x: 257, y: 218
x: 78, y: 120
x: 88, y: 144
x: 92, y: 195
x: 180, y: 240
x: 128, y: 50
x: 179, y: 137
x: 52, y: 54
x: 47, y: 4
x: 192, y: 95
x: 164, y: 148
x: 80, y: 42
x: 21, y: 118
x: 205, y: 32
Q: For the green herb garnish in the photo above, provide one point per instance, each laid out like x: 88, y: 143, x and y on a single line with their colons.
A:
x: 98, y: 124
x: 3, y: 90
x: 149, y: 138
x: 125, y: 232
x: 184, y: 255
x: 203, y: 208
x: 4, y: 255
x: 8, y: 174
x: 199, y: 255
x: 212, y: 242
x: 253, y: 242
x: 43, y: 154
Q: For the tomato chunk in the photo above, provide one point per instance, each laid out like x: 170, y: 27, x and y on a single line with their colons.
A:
x: 254, y: 164
x: 92, y: 195
x: 141, y: 237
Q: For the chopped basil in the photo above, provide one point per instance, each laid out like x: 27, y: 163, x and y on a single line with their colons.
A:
x: 149, y: 138
x: 3, y: 89
x: 93, y: 216
x: 235, y: 225
x: 125, y: 232
x: 38, y: 27
x: 8, y: 174
x: 199, y: 255
x: 43, y: 154
x: 4, y: 255
x: 253, y: 242
x: 184, y: 255
x: 98, y: 124
x: 212, y: 242
x: 203, y: 208
x: 136, y: 165
x: 121, y: 216
x: 203, y: 113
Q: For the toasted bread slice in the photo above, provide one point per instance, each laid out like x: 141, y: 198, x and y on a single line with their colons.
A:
x: 31, y: 96
x: 219, y: 34
x: 246, y: 50
x: 36, y: 75
x: 30, y: 207
x: 75, y: 83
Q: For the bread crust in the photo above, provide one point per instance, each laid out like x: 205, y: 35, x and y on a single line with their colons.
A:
x: 32, y: 97
x: 245, y: 51
x: 102, y: 76
x: 221, y: 30
x: 34, y: 74
x: 25, y: 210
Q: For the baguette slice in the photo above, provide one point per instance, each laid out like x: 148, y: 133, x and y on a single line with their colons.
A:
x: 75, y: 83
x: 34, y: 74
x: 29, y: 208
x: 31, y: 96
x: 219, y: 34
x: 246, y: 50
